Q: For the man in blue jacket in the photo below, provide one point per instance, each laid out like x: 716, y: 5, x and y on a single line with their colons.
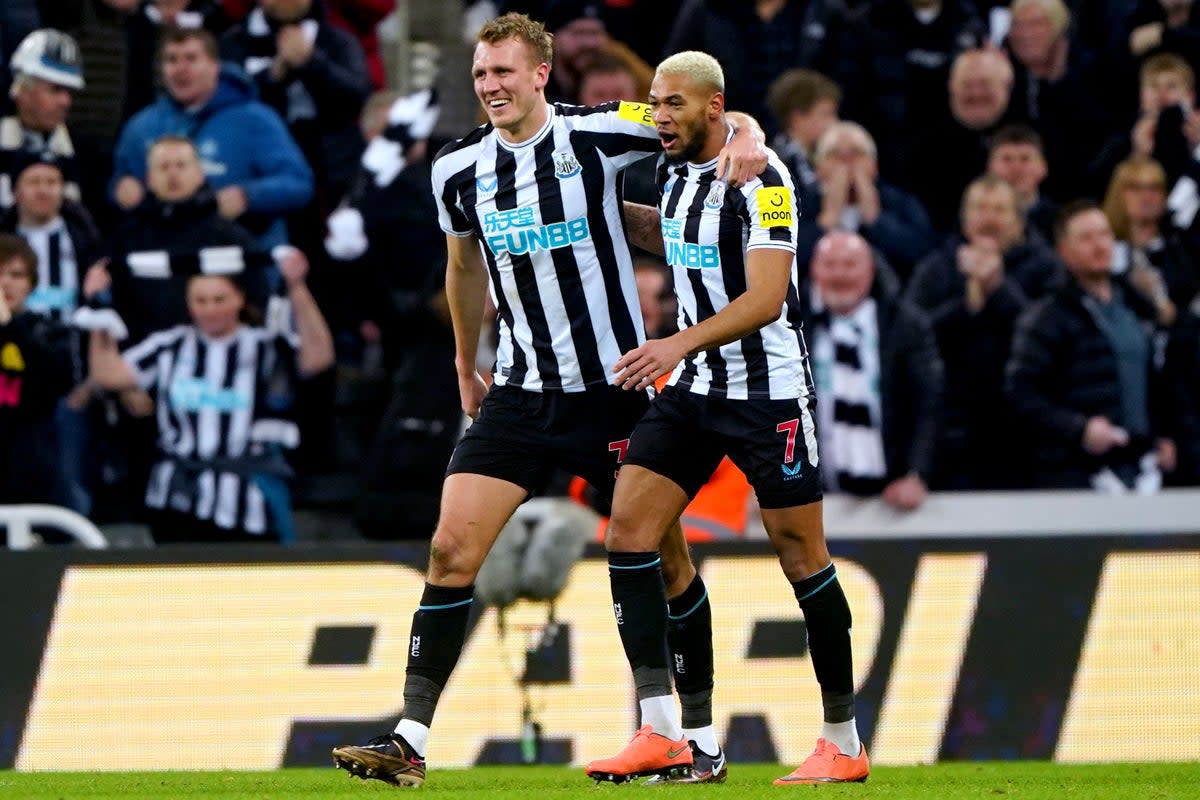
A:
x: 249, y: 157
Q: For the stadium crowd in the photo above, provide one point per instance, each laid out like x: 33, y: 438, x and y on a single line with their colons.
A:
x: 222, y: 271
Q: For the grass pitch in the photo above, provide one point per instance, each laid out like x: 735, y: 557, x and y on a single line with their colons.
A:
x: 1004, y: 781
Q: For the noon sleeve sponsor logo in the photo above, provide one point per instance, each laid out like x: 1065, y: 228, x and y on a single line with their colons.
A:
x: 774, y: 206
x: 635, y: 112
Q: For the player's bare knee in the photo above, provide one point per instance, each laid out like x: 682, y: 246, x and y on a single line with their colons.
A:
x: 449, y: 559
x: 627, y: 534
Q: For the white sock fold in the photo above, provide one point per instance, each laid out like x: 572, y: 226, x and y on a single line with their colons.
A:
x: 844, y: 735
x: 661, y: 715
x: 705, y: 738
x: 415, y: 734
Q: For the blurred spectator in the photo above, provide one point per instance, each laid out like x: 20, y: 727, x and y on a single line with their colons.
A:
x: 142, y: 32
x: 18, y: 19
x: 1080, y: 378
x: 804, y: 105
x: 359, y: 17
x: 607, y: 78
x: 1057, y: 89
x: 640, y: 24
x: 973, y: 289
x: 65, y: 242
x: 953, y: 150
x: 61, y: 232
x: 854, y: 199
x: 1183, y: 370
x: 388, y: 236
x: 1171, y: 26
x: 580, y: 37
x: 35, y: 372
x: 758, y: 41
x: 656, y: 298
x: 248, y: 155
x: 1155, y: 256
x: 177, y: 222
x: 218, y: 383
x: 314, y: 75
x: 1167, y: 129
x: 1016, y: 157
x: 878, y: 377
x: 904, y: 49
x: 46, y: 68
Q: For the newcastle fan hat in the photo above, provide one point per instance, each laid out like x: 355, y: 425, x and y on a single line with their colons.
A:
x: 50, y: 55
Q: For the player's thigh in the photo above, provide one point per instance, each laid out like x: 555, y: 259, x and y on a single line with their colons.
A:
x: 773, y: 442
x: 474, y: 510
x: 674, y: 440
x: 645, y: 504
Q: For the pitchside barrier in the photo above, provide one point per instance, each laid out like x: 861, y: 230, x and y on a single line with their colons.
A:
x: 1045, y: 626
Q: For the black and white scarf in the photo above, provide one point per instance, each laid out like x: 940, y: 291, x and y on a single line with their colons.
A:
x: 57, y: 287
x: 261, y: 50
x: 845, y: 356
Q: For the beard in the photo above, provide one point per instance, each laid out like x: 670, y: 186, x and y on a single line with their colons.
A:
x: 695, y: 137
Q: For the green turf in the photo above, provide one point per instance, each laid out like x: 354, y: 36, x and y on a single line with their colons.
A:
x: 993, y: 781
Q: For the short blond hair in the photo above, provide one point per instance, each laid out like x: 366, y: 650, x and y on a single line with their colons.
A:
x: 702, y: 68
x: 531, y: 33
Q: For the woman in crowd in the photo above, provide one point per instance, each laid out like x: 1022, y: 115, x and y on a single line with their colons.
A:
x: 222, y: 391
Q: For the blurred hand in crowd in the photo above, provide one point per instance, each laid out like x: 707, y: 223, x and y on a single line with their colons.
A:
x: 232, y: 202
x: 129, y: 192
x: 293, y: 265
x: 293, y: 47
x: 1100, y: 436
x: 906, y: 493
x: 97, y: 279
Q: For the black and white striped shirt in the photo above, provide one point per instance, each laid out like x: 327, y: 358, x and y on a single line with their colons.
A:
x: 550, y: 224
x: 707, y: 230
x: 57, y: 291
x: 217, y: 415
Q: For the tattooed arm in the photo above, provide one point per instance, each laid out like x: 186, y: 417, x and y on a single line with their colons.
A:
x: 642, y: 226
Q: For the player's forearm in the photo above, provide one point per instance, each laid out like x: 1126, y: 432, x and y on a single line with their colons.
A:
x: 466, y: 298
x: 745, y: 315
x: 644, y: 228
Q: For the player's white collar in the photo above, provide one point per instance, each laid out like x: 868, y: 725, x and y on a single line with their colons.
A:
x: 532, y: 140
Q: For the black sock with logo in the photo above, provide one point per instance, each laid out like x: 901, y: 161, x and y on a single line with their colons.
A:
x: 689, y: 637
x: 827, y: 617
x: 439, y: 630
x: 640, y: 606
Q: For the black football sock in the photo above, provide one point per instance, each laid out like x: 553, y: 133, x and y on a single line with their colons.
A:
x: 439, y: 630
x: 827, y: 617
x: 640, y: 606
x: 689, y: 637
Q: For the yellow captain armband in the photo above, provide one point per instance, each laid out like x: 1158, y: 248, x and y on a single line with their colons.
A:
x: 635, y: 112
x: 774, y: 206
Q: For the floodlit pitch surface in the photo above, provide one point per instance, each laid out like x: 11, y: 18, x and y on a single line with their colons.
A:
x: 1008, y: 780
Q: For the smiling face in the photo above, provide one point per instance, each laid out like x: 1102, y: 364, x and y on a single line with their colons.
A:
x: 688, y: 118
x: 510, y: 85
x: 214, y: 304
x: 980, y: 85
x: 842, y: 270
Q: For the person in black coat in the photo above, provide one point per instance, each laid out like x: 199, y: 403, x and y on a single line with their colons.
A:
x: 177, y: 220
x: 757, y: 41
x: 36, y: 370
x: 1081, y: 376
x: 878, y: 377
x: 973, y: 289
x: 904, y: 51
x: 1183, y: 385
x: 314, y: 75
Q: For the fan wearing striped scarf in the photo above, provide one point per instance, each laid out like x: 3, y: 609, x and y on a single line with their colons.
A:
x: 878, y: 377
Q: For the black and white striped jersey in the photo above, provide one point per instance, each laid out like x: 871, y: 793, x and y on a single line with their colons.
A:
x: 550, y: 224
x: 57, y: 290
x: 707, y: 230
x: 218, y: 414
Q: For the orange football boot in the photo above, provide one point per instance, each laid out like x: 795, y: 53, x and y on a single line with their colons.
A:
x: 648, y: 753
x: 828, y: 764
